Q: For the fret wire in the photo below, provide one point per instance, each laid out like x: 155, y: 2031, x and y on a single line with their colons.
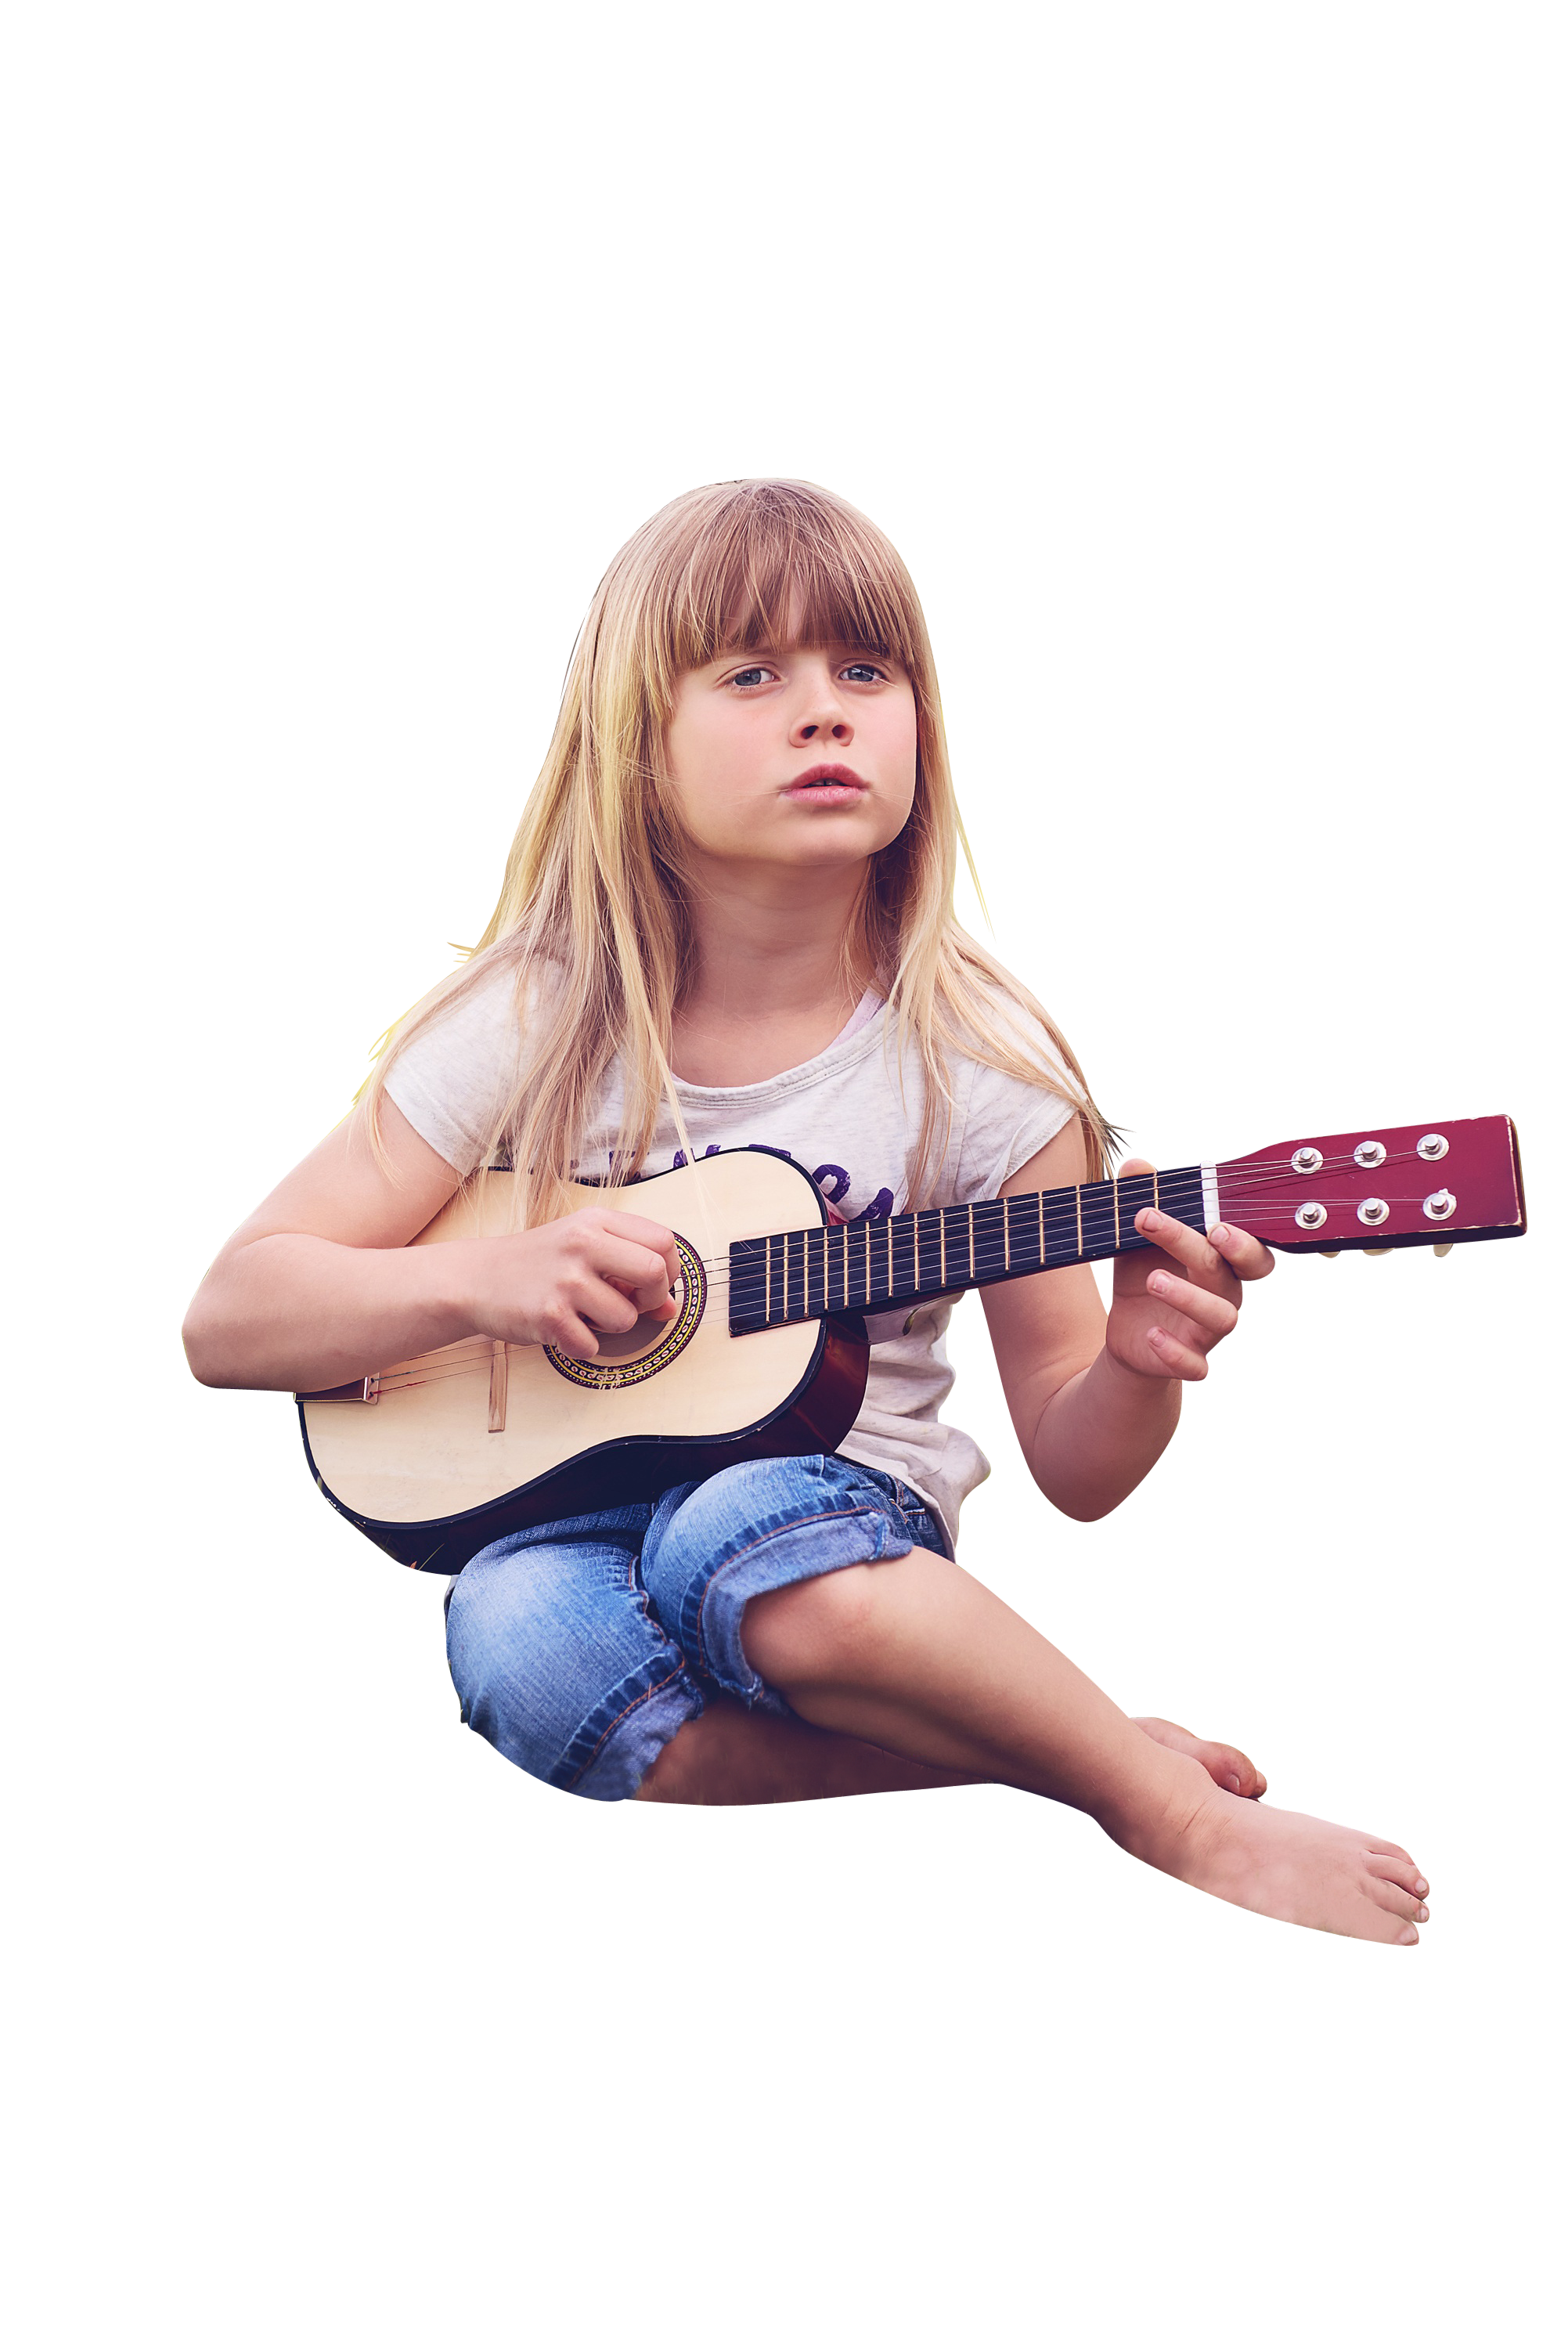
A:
x: 1079, y: 1196
x: 1007, y: 1234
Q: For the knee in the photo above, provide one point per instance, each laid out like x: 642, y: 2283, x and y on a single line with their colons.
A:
x: 808, y: 1630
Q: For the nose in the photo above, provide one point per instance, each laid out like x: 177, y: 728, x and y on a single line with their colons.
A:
x: 823, y: 715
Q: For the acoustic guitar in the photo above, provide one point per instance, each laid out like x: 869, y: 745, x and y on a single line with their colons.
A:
x: 437, y: 1456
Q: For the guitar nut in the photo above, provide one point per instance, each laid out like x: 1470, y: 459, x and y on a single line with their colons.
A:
x: 1438, y: 1205
x: 1373, y: 1211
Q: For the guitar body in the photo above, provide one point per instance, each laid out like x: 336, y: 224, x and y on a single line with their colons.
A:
x: 434, y: 1459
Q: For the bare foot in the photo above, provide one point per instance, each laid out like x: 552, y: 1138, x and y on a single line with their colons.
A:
x: 1284, y: 1864
x: 1226, y: 1765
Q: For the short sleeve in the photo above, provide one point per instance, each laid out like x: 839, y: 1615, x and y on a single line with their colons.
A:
x: 454, y: 1080
x: 1008, y: 1121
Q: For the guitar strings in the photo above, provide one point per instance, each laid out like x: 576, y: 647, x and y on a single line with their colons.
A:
x: 990, y: 1252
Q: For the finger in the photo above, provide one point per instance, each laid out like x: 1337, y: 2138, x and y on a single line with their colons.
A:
x: 570, y: 1334
x: 1188, y: 1248
x: 649, y: 1235
x: 1215, y: 1315
x: 644, y: 1276
x: 1248, y: 1258
x: 604, y: 1308
x: 1177, y: 1361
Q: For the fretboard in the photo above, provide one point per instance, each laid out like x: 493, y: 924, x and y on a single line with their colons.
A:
x: 872, y: 1267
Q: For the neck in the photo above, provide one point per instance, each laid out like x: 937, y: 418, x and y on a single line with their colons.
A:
x: 771, y: 939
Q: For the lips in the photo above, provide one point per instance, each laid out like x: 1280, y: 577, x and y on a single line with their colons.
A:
x: 832, y: 786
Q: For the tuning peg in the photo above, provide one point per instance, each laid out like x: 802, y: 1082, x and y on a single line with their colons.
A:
x: 1377, y: 1251
x: 1444, y: 1248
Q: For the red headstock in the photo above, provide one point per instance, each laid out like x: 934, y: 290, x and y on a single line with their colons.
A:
x: 1385, y: 1186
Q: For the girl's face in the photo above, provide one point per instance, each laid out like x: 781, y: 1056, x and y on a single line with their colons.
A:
x: 803, y: 758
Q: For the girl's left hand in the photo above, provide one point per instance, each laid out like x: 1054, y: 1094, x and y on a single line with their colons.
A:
x: 1169, y: 1311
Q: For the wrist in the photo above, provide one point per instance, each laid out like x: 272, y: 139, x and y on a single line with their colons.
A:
x: 449, y: 1286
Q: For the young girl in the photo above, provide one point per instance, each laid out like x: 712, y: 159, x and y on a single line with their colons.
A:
x: 727, y: 922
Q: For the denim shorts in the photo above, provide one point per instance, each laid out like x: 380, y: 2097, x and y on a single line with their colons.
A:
x: 579, y: 1649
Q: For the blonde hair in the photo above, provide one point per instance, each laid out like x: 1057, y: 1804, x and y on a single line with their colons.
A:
x: 592, y: 918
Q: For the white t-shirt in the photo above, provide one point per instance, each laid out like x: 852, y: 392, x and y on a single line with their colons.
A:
x: 844, y: 1118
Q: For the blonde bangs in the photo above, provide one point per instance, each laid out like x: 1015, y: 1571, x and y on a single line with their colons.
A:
x: 786, y: 566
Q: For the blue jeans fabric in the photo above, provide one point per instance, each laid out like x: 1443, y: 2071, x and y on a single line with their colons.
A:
x: 578, y: 1648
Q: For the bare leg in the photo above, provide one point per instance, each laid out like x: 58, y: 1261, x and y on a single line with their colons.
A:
x: 730, y: 1755
x: 914, y: 1656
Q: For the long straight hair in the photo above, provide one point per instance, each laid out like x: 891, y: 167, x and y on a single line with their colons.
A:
x: 593, y: 917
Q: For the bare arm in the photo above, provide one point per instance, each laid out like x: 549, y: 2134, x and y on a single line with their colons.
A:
x: 1095, y: 1402
x: 320, y: 1285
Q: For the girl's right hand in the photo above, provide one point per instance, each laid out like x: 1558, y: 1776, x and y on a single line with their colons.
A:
x: 562, y: 1284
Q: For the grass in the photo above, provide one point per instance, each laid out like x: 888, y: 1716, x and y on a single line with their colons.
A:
x: 1106, y: 1593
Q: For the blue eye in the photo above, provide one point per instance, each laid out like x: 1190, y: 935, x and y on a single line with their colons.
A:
x: 748, y: 677
x: 862, y: 673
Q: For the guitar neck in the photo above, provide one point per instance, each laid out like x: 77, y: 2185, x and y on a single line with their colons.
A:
x: 1396, y: 1187
x: 873, y: 1266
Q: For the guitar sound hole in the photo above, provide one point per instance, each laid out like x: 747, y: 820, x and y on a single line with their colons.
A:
x: 630, y: 1345
x: 626, y: 1357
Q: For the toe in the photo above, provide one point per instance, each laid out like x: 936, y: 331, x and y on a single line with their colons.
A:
x: 1249, y: 1779
x: 1398, y: 1869
x: 1397, y: 1900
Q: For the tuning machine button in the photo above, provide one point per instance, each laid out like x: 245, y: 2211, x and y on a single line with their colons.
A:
x: 1312, y: 1214
x: 1433, y: 1146
x: 1328, y: 1255
x: 1369, y: 1154
x: 1438, y: 1205
x: 1377, y: 1251
x: 1373, y: 1211
x: 1444, y: 1248
x: 1307, y: 1160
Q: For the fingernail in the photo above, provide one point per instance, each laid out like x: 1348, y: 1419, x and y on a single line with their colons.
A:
x: 1234, y: 1785
x: 1158, y: 1283
x: 1409, y: 1935
x: 1422, y: 1887
x: 1422, y: 1914
x: 1219, y: 1232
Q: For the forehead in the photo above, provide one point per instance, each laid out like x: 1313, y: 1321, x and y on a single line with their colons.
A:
x: 800, y: 598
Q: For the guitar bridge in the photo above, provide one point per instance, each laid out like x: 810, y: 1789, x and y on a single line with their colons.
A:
x: 365, y: 1390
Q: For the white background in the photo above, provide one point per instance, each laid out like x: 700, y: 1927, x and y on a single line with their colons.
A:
x: 1207, y: 365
